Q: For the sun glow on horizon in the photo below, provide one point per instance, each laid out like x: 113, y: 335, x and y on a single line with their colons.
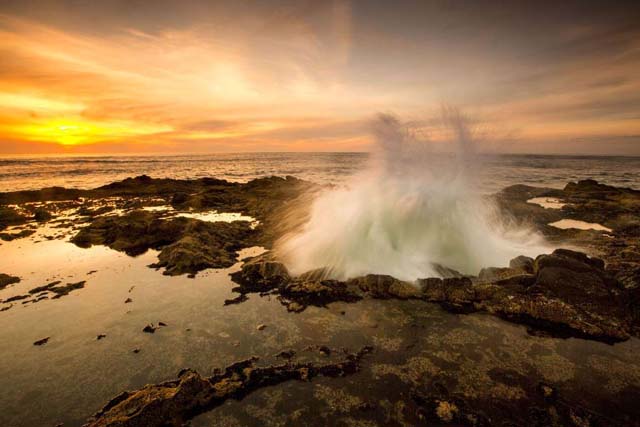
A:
x: 78, y: 130
x: 259, y: 78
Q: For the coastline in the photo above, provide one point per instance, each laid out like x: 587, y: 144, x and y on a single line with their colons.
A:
x: 455, y: 369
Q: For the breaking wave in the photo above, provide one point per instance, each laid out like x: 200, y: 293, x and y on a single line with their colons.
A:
x: 412, y: 212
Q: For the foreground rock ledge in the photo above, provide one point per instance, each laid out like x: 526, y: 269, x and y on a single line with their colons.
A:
x: 173, y: 403
x: 563, y: 294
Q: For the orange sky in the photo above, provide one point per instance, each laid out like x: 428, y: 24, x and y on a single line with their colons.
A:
x: 128, y: 77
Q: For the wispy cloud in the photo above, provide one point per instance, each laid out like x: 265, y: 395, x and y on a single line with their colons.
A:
x: 307, y: 76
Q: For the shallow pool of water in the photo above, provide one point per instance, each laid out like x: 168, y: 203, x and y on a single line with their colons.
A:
x: 579, y: 225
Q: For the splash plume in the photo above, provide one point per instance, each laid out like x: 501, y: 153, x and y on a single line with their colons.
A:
x: 410, y: 213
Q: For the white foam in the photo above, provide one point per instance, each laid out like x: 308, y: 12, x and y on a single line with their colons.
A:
x: 408, y: 211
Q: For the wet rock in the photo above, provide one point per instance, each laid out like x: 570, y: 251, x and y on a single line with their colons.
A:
x: 286, y: 354
x: 264, y: 274
x: 9, y: 217
x: 446, y: 272
x: 133, y: 234
x: 42, y: 341
x: 261, y: 274
x: 522, y: 263
x: 16, y: 298
x: 297, y: 295
x: 150, y: 329
x: 173, y: 403
x: 237, y: 300
x: 42, y: 215
x: 323, y: 349
x: 186, y: 245
x: 6, y: 280
x: 570, y: 294
x: 56, y: 290
x: 7, y: 237
x: 61, y: 291
x: 383, y: 286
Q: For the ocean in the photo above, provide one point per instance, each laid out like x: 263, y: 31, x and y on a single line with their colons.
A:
x: 495, y: 172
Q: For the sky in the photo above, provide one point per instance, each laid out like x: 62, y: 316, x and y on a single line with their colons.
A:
x: 136, y: 76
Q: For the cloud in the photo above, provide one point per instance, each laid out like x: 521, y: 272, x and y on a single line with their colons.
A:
x: 208, y: 76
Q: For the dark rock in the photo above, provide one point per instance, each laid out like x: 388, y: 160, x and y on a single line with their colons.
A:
x: 173, y: 403
x: 42, y: 341
x: 302, y: 293
x: 261, y: 274
x: 150, y: 329
x: 9, y: 216
x: 61, y: 291
x: 570, y: 294
x: 58, y: 291
x: 237, y: 300
x: 383, y: 286
x: 16, y: 298
x: 100, y: 336
x: 522, y: 263
x: 42, y: 215
x: 286, y: 354
x: 44, y: 288
x: 6, y: 280
x: 7, y: 237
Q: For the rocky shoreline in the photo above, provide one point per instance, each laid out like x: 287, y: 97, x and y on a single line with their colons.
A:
x: 591, y: 290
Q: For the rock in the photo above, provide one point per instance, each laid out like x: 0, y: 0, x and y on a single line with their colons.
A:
x: 324, y: 350
x: 100, y: 336
x: 570, y: 294
x: 162, y: 324
x: 446, y: 272
x: 42, y: 215
x: 237, y: 300
x: 42, y: 341
x: 261, y: 274
x: 493, y: 274
x: 128, y: 300
x: 286, y: 354
x: 44, y: 288
x: 186, y: 245
x: 383, y: 286
x: 61, y: 291
x: 150, y: 329
x: 9, y: 217
x: 173, y: 403
x: 6, y: 280
x: 299, y: 294
x: 8, y: 237
x: 135, y: 350
x: 57, y: 290
x: 522, y: 263
x: 16, y: 298
x: 261, y: 327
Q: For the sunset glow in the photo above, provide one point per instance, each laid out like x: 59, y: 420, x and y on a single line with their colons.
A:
x: 254, y: 78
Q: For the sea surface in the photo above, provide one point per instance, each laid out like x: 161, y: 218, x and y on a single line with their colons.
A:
x: 495, y: 172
